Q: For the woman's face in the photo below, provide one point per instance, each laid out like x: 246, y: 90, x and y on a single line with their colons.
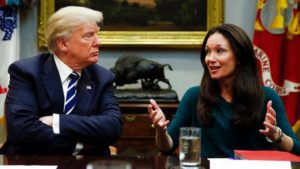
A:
x: 220, y: 58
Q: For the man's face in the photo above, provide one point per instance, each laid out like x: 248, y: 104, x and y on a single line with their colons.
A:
x: 83, y: 46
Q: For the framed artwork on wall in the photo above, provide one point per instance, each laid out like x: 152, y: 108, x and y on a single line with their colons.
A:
x: 164, y: 23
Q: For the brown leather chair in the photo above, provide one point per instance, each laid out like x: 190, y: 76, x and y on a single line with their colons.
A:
x: 3, y: 131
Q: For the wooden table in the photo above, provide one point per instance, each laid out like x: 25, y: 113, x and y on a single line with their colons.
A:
x: 80, y: 162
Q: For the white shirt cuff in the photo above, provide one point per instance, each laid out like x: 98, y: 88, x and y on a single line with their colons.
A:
x: 79, y: 146
x: 55, y: 124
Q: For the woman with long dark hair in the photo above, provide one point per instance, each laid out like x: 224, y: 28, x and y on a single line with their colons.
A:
x: 233, y: 108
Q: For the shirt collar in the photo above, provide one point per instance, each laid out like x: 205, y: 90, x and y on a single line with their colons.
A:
x: 63, y: 69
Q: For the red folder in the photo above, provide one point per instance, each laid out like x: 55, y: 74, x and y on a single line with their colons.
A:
x: 266, y: 155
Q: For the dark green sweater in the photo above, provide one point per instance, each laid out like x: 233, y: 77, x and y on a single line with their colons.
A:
x: 220, y: 139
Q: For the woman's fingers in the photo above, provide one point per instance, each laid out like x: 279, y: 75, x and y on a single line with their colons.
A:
x: 164, y: 125
x: 156, y: 115
x: 270, y: 122
x: 154, y: 104
x: 271, y: 119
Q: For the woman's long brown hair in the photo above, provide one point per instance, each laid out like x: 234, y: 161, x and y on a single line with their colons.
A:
x: 247, y: 99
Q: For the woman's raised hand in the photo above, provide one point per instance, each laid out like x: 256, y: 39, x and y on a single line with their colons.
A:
x: 271, y: 130
x: 157, y: 116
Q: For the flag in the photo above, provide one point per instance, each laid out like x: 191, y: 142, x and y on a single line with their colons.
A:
x: 9, y: 52
x: 296, y: 129
x: 277, y: 47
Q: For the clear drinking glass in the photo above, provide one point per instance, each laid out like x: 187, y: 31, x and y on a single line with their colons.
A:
x: 189, y: 147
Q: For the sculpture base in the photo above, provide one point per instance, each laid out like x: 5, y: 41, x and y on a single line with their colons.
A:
x: 143, y: 95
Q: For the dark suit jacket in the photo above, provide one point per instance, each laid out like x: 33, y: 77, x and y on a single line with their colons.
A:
x: 35, y: 90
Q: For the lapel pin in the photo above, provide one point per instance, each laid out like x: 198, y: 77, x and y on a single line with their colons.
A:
x: 88, y: 87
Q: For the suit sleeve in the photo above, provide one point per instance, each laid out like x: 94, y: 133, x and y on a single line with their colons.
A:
x: 103, y: 125
x: 22, y: 114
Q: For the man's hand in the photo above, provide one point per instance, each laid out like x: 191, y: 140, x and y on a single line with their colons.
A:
x: 47, y: 120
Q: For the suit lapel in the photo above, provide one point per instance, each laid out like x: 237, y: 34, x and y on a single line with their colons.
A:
x: 85, y: 90
x: 53, y: 86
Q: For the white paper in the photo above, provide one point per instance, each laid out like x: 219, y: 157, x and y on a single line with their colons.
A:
x: 28, y: 167
x: 221, y: 163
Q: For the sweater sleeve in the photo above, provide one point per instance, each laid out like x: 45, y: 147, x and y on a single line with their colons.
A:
x: 185, y: 114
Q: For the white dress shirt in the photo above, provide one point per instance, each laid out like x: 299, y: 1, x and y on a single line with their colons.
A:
x: 64, y: 72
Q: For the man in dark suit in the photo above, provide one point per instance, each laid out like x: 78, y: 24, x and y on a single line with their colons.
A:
x: 49, y: 112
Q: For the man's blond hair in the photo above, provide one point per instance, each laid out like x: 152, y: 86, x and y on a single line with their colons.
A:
x: 64, y: 21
